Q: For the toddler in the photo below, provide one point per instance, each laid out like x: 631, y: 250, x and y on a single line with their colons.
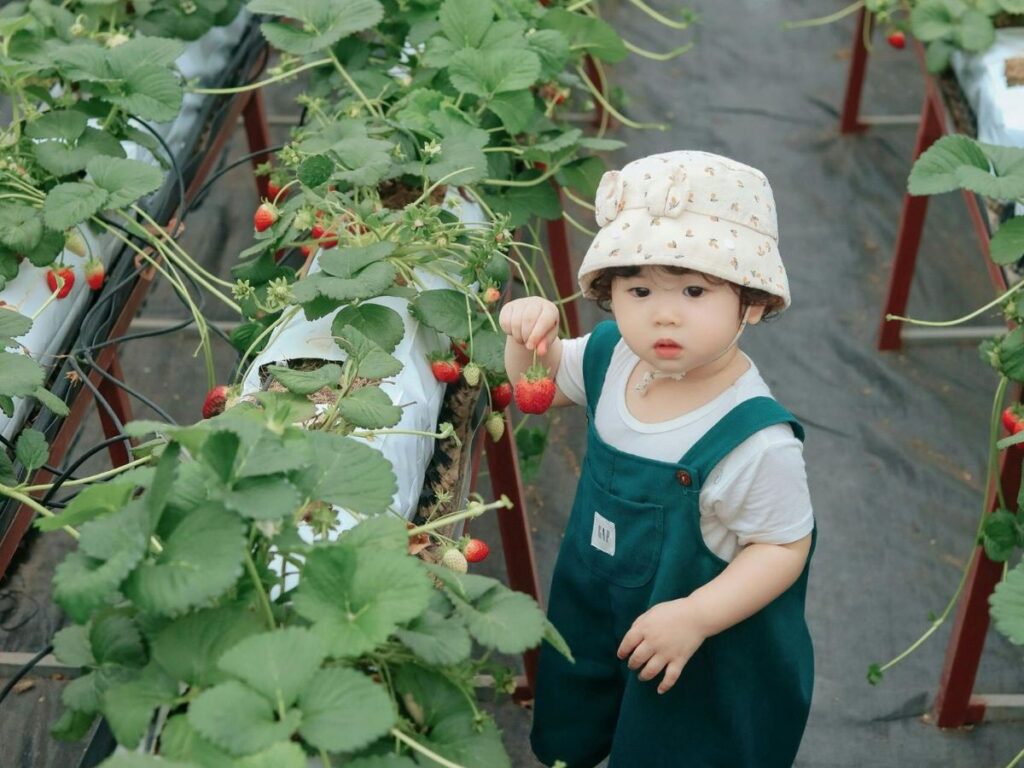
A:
x: 681, y: 578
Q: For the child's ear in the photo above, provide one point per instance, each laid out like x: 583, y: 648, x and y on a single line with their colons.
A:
x: 755, y: 313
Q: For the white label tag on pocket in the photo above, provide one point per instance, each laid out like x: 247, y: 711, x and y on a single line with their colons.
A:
x: 603, y: 537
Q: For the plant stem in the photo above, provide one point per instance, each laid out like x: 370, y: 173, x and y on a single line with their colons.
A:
x: 531, y: 183
x: 596, y: 93
x: 91, y: 478
x: 945, y: 323
x: 476, y: 511
x: 661, y: 19
x: 668, y: 56
x: 250, y: 566
x: 352, y: 84
x: 1016, y: 760
x: 407, y: 740
x: 28, y: 501
x: 325, y: 758
x: 822, y: 20
x: 268, y: 81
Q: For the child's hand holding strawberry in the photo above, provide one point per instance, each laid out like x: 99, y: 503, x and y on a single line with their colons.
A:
x: 532, y: 352
x: 531, y: 322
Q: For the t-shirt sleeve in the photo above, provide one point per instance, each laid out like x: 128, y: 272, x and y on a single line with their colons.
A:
x: 767, y: 500
x: 569, y: 378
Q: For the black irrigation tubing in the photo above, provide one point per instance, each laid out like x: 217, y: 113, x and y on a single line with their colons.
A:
x: 24, y: 670
x: 203, y: 190
x: 101, y: 401
x: 179, y: 178
x: 65, y: 475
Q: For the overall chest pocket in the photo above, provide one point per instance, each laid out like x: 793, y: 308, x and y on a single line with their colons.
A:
x: 618, y: 539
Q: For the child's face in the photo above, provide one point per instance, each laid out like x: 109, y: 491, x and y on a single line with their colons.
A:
x: 677, y: 322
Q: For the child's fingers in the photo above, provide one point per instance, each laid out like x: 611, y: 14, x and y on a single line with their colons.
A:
x: 643, y: 653
x: 542, y: 347
x: 629, y: 641
x: 652, y: 669
x: 672, y: 672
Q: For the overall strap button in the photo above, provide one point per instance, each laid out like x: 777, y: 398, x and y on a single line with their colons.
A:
x: 684, y: 477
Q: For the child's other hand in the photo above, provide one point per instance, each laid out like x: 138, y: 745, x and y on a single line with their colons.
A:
x: 530, y: 321
x: 663, y: 638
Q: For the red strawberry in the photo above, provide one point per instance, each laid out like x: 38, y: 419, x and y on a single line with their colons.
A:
x: 501, y: 396
x: 64, y: 274
x: 897, y: 39
x: 94, y: 274
x: 445, y: 369
x: 477, y: 550
x: 461, y: 351
x: 265, y: 216
x: 327, y: 238
x: 306, y: 250
x: 215, y: 400
x: 274, y: 191
x: 535, y: 390
x: 1013, y: 419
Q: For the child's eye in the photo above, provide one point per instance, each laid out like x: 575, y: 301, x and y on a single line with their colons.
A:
x: 693, y: 291
x: 640, y: 292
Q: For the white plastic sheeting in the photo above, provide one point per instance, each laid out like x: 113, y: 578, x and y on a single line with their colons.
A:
x: 29, y: 291
x: 999, y: 107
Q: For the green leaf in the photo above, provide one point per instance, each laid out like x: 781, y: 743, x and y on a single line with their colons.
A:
x: 306, y: 382
x: 148, y: 50
x: 62, y: 159
x: 348, y: 473
x: 151, y: 92
x: 937, y: 56
x: 22, y: 374
x: 263, y: 498
x: 50, y: 400
x: 385, y: 532
x: 514, y: 109
x: 465, y: 22
x: 1000, y: 535
x: 508, y: 621
x: 370, y: 360
x: 64, y: 124
x: 109, y: 549
x: 12, y: 325
x: 522, y: 204
x: 975, y: 31
x: 129, y: 707
x: 21, y: 227
x: 485, y: 74
x: 125, y: 180
x: 936, y: 169
x: 380, y: 324
x: 370, y: 408
x: 437, y: 639
x: 201, y: 560
x: 190, y: 647
x: 552, y: 48
x: 489, y: 350
x: 72, y: 203
x: 316, y: 170
x: 356, y: 598
x: 180, y: 741
x: 238, y: 719
x: 445, y: 310
x: 325, y: 22
x: 93, y: 502
x: 1007, y: 245
x: 349, y: 262
x: 115, y: 640
x: 71, y: 646
x: 283, y: 754
x: 279, y: 664
x: 586, y: 33
x: 935, y: 20
x: 47, y: 249
x: 582, y: 176
x: 32, y: 450
x: 461, y: 160
x: 343, y: 710
x: 1007, y: 605
x: 368, y: 283
x: 139, y: 760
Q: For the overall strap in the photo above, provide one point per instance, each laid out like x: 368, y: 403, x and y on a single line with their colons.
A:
x: 742, y: 422
x: 596, y: 357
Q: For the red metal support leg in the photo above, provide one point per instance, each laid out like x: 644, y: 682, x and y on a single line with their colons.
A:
x: 849, y: 121
x: 953, y: 704
x: 908, y: 238
x: 594, y: 75
x: 561, y: 266
x: 257, y: 132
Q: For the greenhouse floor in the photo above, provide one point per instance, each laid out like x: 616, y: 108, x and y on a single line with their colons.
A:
x: 895, y: 441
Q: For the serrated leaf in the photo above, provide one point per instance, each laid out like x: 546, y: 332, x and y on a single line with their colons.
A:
x: 21, y: 226
x: 582, y: 176
x: 370, y: 360
x: 306, y: 382
x: 12, y: 325
x: 316, y: 170
x: 139, y: 760
x: 343, y: 710
x: 385, y: 532
x: 141, y: 50
x: 200, y: 561
x: 586, y: 33
x: 190, y: 647
x: 935, y: 170
x: 62, y: 159
x: 934, y: 20
x: 357, y: 598
x: 510, y: 622
x: 370, y: 408
x: 93, y: 502
x: 975, y: 31
x: 47, y: 249
x: 116, y: 640
x: 445, y: 310
x: 71, y: 646
x: 437, y: 639
x: 278, y: 664
x: 552, y: 48
x: 238, y: 719
x: 367, y: 284
x: 485, y: 74
x: 283, y: 754
x: 465, y: 22
x: 348, y: 473
x: 999, y: 535
x: 129, y: 707
x: 64, y: 124
x: 21, y: 376
x: 151, y: 92
x: 325, y: 22
x: 348, y: 262
x: 72, y: 203
x: 270, y: 497
x: 521, y: 204
x: 489, y: 350
x: 514, y: 109
x: 1007, y: 604
x: 125, y: 180
x: 180, y: 741
x: 1007, y: 245
x: 380, y: 324
x: 32, y: 450
x: 50, y: 401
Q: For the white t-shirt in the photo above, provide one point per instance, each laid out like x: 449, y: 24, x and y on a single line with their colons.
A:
x: 757, y: 493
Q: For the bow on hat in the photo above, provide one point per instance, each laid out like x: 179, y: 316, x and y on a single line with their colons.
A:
x: 664, y: 194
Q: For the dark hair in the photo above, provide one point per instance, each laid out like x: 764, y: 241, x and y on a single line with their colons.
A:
x: 749, y: 297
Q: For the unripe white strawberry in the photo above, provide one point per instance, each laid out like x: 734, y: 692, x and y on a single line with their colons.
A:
x: 495, y: 425
x: 454, y: 560
x: 472, y: 374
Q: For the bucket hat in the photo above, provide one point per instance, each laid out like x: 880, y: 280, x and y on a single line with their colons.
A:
x: 688, y: 209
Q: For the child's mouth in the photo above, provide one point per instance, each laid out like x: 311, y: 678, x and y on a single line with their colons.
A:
x: 667, y: 348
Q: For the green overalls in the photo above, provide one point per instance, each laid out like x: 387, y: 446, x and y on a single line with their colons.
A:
x: 634, y: 540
